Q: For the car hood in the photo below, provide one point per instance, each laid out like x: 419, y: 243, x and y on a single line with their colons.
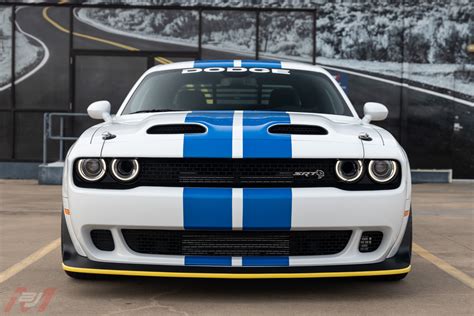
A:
x: 234, y: 135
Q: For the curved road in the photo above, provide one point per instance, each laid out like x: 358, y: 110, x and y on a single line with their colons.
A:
x: 429, y: 141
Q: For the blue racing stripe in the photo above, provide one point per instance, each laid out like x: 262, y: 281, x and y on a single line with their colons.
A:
x: 207, y: 208
x: 217, y: 142
x: 230, y: 63
x: 265, y: 261
x: 213, y: 63
x: 261, y: 64
x: 208, y: 261
x: 267, y: 208
x: 258, y: 143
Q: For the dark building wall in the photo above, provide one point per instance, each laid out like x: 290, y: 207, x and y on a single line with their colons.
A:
x: 410, y: 55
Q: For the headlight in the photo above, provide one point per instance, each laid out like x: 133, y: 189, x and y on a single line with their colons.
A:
x: 124, y: 169
x: 382, y: 171
x: 349, y: 170
x: 91, y: 169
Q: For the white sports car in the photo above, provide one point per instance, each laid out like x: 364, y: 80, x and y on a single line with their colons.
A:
x: 237, y: 169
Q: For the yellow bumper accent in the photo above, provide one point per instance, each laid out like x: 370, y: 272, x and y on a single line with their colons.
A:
x: 238, y: 275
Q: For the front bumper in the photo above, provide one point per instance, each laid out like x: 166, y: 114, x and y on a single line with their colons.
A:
x: 164, y: 208
x: 398, y: 264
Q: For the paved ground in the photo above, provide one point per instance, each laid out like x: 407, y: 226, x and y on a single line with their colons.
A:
x: 444, y: 237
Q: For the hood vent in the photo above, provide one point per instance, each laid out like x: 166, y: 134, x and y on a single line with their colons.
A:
x: 297, y: 129
x: 177, y: 129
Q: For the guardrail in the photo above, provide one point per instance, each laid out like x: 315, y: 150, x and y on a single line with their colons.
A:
x: 48, y: 132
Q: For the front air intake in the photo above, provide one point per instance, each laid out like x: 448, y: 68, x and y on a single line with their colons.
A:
x: 102, y: 239
x: 297, y: 129
x: 177, y: 129
x: 370, y: 241
x: 236, y: 243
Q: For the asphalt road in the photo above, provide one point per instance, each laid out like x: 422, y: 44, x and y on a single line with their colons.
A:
x: 430, y: 140
x: 443, y: 227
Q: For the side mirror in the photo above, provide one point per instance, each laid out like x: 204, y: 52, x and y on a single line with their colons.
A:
x: 100, y: 110
x: 374, y: 111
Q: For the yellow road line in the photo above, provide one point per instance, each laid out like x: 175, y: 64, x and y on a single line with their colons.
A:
x: 237, y: 275
x: 443, y: 265
x: 23, y: 264
x: 161, y: 60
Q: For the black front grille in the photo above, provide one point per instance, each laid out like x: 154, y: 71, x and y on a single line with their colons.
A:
x: 102, y: 239
x: 237, y: 172
x: 370, y: 241
x: 237, y: 243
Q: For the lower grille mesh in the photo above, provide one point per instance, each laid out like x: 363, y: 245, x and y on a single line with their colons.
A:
x: 237, y: 243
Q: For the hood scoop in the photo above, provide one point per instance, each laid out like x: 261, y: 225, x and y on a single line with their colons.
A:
x: 177, y: 129
x: 297, y: 129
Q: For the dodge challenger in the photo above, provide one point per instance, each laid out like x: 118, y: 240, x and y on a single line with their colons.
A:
x: 237, y: 169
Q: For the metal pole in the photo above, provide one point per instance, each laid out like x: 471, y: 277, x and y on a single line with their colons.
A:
x: 314, y: 37
x: 61, y: 141
x: 257, y: 34
x: 45, y: 137
x: 403, y: 102
x: 200, y: 35
x: 109, y: 5
x: 13, y: 79
x: 150, y: 60
x: 71, y: 60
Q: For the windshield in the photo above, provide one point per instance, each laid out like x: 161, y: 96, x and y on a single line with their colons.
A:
x: 220, y: 88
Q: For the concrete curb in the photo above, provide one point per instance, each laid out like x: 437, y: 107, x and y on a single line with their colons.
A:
x: 432, y: 176
x: 51, y: 173
x: 19, y: 170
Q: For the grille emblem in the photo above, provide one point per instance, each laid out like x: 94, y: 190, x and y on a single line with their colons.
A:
x: 307, y: 174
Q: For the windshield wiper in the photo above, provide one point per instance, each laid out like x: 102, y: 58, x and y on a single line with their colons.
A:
x: 151, y: 111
